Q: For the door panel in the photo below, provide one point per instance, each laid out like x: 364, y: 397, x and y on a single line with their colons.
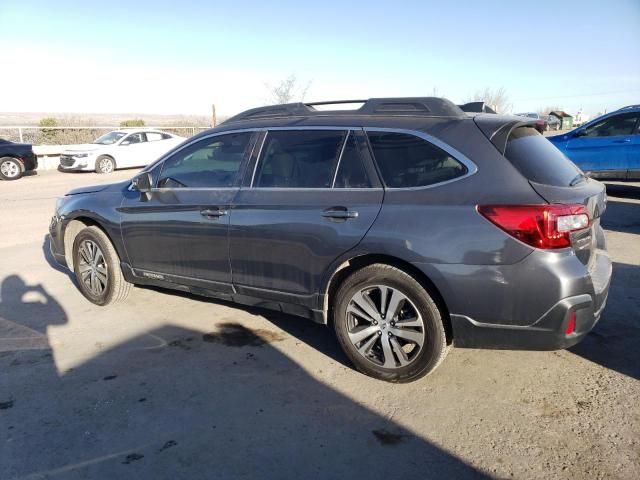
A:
x: 133, y: 154
x: 181, y: 227
x: 177, y: 232
x: 605, y: 145
x: 634, y: 155
x: 285, y: 239
x: 312, y: 196
x: 599, y: 153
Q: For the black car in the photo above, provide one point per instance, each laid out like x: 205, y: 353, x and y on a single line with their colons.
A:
x: 407, y: 225
x: 16, y: 159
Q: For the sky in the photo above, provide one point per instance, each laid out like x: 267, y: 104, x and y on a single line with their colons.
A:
x: 180, y: 57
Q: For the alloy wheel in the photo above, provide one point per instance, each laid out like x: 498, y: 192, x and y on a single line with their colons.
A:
x: 105, y: 165
x: 92, y: 268
x: 385, y: 326
x: 10, y: 169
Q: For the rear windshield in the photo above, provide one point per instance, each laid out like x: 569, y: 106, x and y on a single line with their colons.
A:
x: 539, y: 161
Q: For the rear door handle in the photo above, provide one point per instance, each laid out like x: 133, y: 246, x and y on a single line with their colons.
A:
x: 624, y: 140
x: 213, y: 212
x: 339, y: 213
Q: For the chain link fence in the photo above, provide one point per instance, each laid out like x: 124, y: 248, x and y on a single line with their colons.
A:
x: 76, y: 135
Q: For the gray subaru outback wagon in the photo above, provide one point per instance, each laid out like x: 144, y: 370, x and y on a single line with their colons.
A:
x: 406, y: 224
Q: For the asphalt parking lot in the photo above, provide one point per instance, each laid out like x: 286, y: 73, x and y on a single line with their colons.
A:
x: 172, y: 386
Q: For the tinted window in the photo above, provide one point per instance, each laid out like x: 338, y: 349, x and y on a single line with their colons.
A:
x: 351, y: 172
x: 538, y: 160
x: 612, y: 126
x: 134, y: 138
x: 213, y: 162
x: 299, y: 159
x: 409, y: 161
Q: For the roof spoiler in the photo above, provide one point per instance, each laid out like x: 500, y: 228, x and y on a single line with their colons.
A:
x: 476, y: 107
x: 498, y: 128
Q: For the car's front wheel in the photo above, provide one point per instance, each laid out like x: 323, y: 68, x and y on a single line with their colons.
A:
x: 388, y: 324
x: 105, y: 164
x: 10, y: 168
x: 97, y: 267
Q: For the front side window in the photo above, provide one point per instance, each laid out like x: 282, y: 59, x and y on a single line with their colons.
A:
x: 613, y: 126
x: 408, y: 161
x: 299, y: 159
x: 210, y: 163
x: 134, y: 138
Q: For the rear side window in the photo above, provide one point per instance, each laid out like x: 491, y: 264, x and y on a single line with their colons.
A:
x: 539, y: 160
x: 351, y: 172
x: 409, y: 161
x: 299, y: 158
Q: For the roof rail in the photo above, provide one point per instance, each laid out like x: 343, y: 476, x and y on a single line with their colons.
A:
x: 409, y: 106
x: 628, y: 107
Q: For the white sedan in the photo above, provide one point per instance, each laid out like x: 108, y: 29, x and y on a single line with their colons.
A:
x: 119, y: 149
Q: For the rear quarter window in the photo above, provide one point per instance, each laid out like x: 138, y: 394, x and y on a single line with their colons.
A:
x: 538, y: 159
x: 407, y: 161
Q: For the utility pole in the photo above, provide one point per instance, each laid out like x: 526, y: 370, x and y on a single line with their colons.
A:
x: 213, y: 115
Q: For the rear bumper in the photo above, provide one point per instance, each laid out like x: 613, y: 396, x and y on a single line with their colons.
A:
x: 527, y: 306
x: 549, y: 333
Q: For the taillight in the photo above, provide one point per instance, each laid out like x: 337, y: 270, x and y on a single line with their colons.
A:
x: 541, y: 226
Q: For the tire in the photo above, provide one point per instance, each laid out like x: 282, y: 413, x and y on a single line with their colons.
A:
x: 11, y: 168
x: 105, y: 164
x: 387, y: 354
x: 102, y: 265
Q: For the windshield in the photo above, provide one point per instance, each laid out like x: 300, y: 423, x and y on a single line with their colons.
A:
x: 110, y: 138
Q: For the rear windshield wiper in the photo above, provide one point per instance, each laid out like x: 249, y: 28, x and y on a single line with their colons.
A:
x: 581, y: 177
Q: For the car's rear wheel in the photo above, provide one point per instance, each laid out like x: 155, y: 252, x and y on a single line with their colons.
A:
x: 388, y: 324
x: 10, y: 168
x: 105, y: 164
x: 97, y: 267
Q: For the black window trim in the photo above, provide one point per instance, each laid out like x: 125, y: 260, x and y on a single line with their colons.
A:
x: 350, y: 130
x: 472, y: 168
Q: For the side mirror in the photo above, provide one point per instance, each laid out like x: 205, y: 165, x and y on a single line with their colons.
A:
x: 142, y: 183
x: 581, y: 133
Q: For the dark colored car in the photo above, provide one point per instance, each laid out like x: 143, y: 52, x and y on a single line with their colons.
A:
x: 16, y: 159
x: 607, y: 147
x: 539, y: 123
x: 407, y: 224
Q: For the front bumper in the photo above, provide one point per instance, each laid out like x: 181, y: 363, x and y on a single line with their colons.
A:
x: 72, y: 163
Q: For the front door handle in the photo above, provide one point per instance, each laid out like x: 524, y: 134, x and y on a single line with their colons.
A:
x: 624, y: 140
x: 213, y: 212
x: 340, y: 213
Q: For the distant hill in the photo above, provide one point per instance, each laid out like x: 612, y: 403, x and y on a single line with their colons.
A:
x: 102, y: 119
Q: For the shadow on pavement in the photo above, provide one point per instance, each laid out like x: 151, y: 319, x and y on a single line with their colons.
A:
x: 623, y: 190
x: 614, y: 341
x: 176, y: 403
x: 621, y: 216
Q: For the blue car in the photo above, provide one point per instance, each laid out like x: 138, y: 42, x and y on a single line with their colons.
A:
x: 607, y: 147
